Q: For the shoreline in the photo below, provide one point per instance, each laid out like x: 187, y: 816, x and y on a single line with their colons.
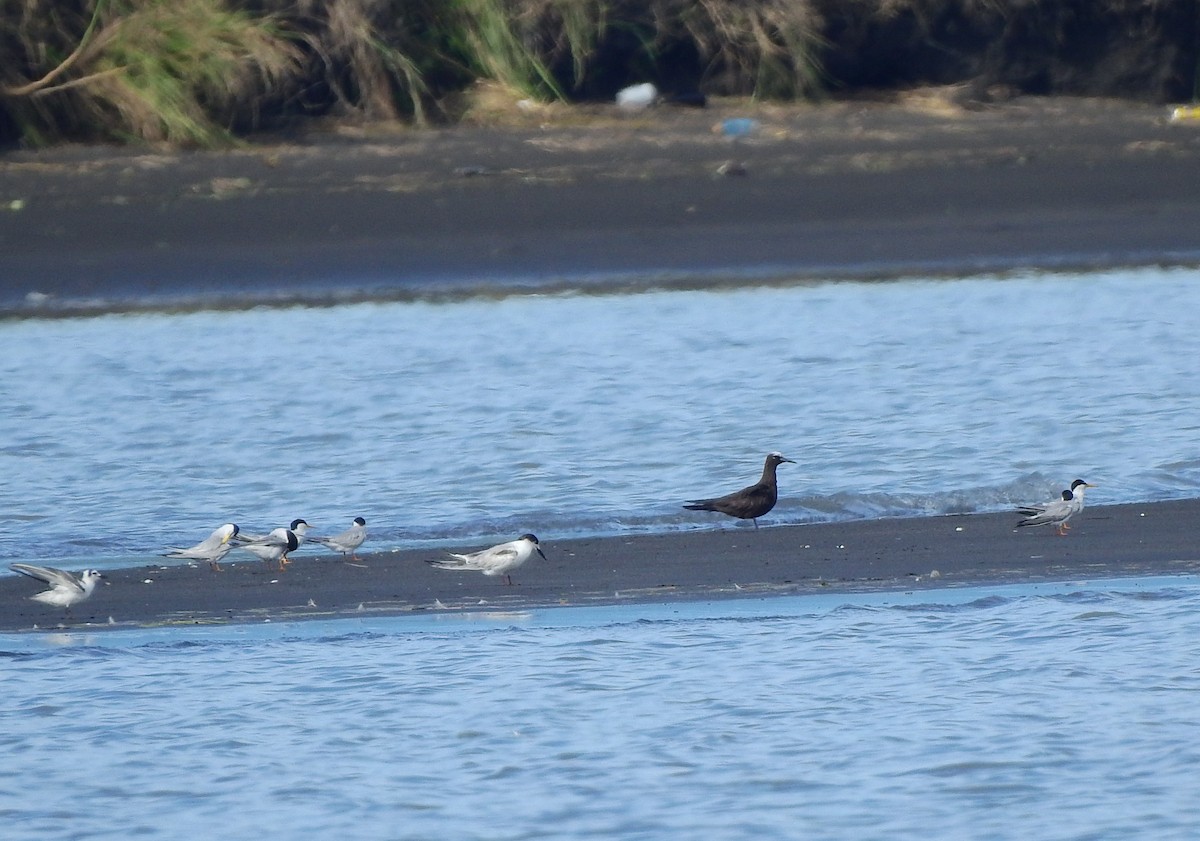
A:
x: 925, y: 553
x: 842, y: 190
x: 850, y: 190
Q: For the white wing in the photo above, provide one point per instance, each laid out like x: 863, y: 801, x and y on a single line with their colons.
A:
x: 56, y: 578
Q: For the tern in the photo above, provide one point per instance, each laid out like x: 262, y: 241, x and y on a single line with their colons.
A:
x: 297, y: 527
x: 1054, y: 513
x: 272, y: 547
x: 748, y: 503
x: 1058, y: 512
x: 300, y: 527
x: 498, y: 560
x: 66, y: 588
x: 1077, y: 489
x: 212, y: 549
x: 347, y: 541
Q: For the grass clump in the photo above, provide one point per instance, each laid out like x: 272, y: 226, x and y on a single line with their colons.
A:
x: 198, y: 71
x: 768, y: 49
x: 178, y: 71
x: 187, y: 71
x: 363, y: 59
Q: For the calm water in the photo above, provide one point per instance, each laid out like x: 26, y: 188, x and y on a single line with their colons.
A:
x: 1049, y: 712
x: 583, y: 414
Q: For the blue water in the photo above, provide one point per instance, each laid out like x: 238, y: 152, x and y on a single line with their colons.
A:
x: 1052, y: 712
x: 453, y: 423
x: 1064, y: 711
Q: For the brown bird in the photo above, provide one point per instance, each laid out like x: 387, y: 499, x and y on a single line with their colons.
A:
x: 748, y: 503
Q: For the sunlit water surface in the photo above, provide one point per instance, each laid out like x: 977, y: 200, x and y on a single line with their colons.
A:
x: 1048, y: 712
x: 593, y: 414
x: 1051, y: 712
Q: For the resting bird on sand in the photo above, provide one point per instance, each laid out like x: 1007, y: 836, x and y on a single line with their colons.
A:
x: 1051, y: 514
x: 272, y: 547
x: 347, y: 541
x: 212, y: 549
x: 498, y: 560
x: 297, y: 530
x: 748, y: 503
x: 66, y: 588
x: 1056, y: 513
x: 1077, y: 488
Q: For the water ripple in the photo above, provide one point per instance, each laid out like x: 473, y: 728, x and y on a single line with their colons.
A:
x: 960, y: 715
x: 455, y: 422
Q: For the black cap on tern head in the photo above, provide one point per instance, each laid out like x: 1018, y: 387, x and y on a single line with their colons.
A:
x: 532, y: 538
x: 359, y: 521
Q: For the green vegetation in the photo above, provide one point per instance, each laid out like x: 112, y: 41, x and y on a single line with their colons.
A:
x: 161, y: 70
x: 202, y: 72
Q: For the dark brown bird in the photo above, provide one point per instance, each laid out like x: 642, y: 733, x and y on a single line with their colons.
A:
x: 748, y: 503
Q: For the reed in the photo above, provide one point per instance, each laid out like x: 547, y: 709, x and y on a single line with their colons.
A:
x: 198, y: 71
x: 370, y: 58
x: 160, y: 70
x: 185, y: 71
x: 490, y: 43
x: 769, y: 49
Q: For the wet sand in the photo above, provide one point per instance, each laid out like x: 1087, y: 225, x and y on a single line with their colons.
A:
x: 735, y: 562
x: 850, y: 189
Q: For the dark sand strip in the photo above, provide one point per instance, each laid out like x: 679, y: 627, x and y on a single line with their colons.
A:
x: 896, y: 554
x: 846, y: 190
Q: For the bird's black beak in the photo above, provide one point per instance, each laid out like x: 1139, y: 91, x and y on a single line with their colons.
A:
x: 540, y: 552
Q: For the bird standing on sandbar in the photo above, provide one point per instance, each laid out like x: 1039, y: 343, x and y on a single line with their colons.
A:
x: 498, y: 560
x: 1056, y: 513
x: 748, y: 503
x: 66, y: 588
x: 1077, y: 488
x: 349, y: 540
x: 212, y: 549
x: 272, y: 547
x: 276, y: 537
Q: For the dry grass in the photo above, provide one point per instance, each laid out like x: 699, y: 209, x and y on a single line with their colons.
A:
x: 183, y: 71
x: 157, y: 70
x: 364, y: 52
x: 190, y: 71
x: 768, y: 49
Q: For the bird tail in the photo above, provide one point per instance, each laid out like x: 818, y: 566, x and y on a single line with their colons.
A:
x: 451, y: 561
x: 699, y: 505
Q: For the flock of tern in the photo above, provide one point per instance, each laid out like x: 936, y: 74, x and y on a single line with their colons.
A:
x: 749, y: 503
